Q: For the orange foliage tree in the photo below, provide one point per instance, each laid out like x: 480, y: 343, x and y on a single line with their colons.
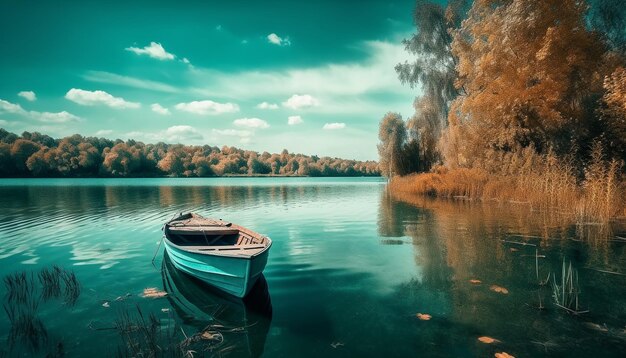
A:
x: 530, y: 70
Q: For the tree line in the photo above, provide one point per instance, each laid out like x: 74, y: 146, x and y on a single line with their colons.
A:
x: 499, y: 78
x: 39, y: 155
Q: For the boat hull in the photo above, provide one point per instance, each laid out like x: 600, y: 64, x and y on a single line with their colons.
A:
x: 231, y: 274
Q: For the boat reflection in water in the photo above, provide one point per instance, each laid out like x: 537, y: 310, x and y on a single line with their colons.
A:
x: 243, y: 323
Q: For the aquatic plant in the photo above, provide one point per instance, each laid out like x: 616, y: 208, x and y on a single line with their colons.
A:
x: 566, y: 295
x: 20, y: 287
x: 72, y: 286
x: 25, y: 292
x: 26, y: 328
x: 50, y: 282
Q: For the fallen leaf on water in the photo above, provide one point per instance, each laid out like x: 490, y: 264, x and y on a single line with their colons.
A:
x: 503, y: 355
x: 122, y: 298
x: 512, y: 249
x: 336, y: 344
x: 475, y: 282
x: 106, y: 304
x: 487, y: 340
x: 208, y: 335
x: 502, y: 290
x: 596, y: 327
x: 423, y: 316
x: 153, y: 292
x: 165, y: 310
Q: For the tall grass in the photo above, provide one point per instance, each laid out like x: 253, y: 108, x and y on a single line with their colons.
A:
x: 544, y: 183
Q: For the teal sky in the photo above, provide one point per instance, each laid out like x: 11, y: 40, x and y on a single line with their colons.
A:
x: 206, y: 72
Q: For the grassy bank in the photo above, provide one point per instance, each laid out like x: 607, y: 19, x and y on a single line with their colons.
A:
x: 547, y: 185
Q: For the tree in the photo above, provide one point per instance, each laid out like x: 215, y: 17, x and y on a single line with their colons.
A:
x: 528, y: 70
x: 20, y: 151
x: 434, y: 70
x: 613, y: 114
x: 392, y: 136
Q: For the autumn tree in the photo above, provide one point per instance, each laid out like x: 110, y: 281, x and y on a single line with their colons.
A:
x: 392, y: 136
x: 528, y: 70
x: 21, y: 149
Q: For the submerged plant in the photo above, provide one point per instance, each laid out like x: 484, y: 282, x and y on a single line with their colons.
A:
x: 566, y: 295
x: 25, y: 293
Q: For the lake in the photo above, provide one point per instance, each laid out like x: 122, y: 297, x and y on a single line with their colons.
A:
x: 353, y: 271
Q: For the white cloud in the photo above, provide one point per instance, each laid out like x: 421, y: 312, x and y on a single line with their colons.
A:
x: 267, y: 105
x: 175, y: 134
x: 9, y: 107
x: 60, y: 117
x: 233, y: 133
x: 47, y: 117
x: 185, y: 60
x: 91, y: 98
x: 301, y: 101
x: 207, y: 107
x: 181, y: 134
x: 160, y: 109
x: 245, y: 136
x: 342, y: 88
x: 154, y: 50
x: 107, y: 77
x: 277, y: 40
x: 104, y: 132
x: 331, y: 126
x: 293, y: 120
x: 28, y: 95
x: 3, y: 122
x: 251, y: 123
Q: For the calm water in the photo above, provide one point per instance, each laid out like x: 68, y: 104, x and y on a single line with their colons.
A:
x: 349, y: 270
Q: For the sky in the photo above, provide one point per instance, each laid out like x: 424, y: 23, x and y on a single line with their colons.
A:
x: 312, y: 77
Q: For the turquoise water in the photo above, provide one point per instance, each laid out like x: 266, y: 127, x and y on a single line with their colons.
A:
x: 349, y: 270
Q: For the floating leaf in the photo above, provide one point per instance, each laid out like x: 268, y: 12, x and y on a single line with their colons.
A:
x: 336, y: 344
x: 423, y: 316
x: 106, y: 304
x: 210, y: 336
x: 596, y: 327
x: 503, y: 355
x: 165, y: 310
x: 512, y: 249
x: 499, y: 289
x: 153, y: 292
x: 122, y: 298
x: 475, y: 282
x: 487, y: 340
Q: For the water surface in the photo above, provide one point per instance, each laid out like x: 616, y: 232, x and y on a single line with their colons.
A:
x: 349, y: 270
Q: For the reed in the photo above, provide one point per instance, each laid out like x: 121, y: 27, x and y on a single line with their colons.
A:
x: 72, y: 286
x: 548, y: 184
x: 49, y: 278
x: 566, y: 294
x: 20, y: 287
x: 25, y: 293
x: 143, y: 336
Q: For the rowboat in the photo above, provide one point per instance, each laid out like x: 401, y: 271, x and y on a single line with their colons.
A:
x: 222, y: 254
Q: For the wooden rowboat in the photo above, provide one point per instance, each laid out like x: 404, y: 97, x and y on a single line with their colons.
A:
x: 222, y: 254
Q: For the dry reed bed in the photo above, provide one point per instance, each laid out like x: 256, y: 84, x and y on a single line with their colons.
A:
x: 549, y: 185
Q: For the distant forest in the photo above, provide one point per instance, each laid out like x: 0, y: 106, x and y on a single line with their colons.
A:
x: 39, y: 155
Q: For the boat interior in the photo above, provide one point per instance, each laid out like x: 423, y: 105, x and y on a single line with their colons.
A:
x: 194, y: 232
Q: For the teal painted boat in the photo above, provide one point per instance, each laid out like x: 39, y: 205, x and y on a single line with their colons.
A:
x: 222, y: 254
